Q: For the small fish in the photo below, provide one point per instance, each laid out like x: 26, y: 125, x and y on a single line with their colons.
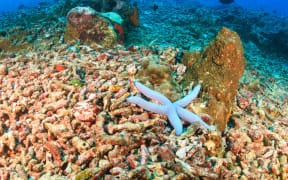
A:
x: 21, y: 6
x: 155, y: 7
x: 226, y: 1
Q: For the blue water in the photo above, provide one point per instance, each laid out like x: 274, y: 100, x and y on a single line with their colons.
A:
x: 278, y: 7
x: 12, y: 5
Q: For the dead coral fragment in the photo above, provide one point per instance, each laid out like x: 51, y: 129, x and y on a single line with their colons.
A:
x: 138, y: 127
x: 196, y: 171
x: 59, y: 130
x: 21, y: 172
x: 50, y: 146
x: 122, y: 138
x: 79, y: 144
x: 84, y: 111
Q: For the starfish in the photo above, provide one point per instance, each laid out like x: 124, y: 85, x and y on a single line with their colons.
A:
x: 172, y: 110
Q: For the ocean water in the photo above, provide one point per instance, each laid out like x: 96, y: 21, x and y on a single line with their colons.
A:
x: 278, y: 7
x: 143, y: 89
x: 8, y: 6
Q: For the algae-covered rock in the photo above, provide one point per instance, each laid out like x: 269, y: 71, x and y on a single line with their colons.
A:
x: 189, y: 58
x: 88, y: 26
x: 218, y: 69
x: 159, y: 78
x: 89, y: 173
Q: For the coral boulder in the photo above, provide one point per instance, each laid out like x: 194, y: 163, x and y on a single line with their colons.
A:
x: 218, y: 70
x: 88, y: 26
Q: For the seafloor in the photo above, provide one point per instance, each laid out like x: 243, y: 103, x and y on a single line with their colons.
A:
x: 53, y: 126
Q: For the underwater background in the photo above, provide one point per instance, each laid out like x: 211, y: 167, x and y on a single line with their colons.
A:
x: 143, y: 89
x: 278, y: 7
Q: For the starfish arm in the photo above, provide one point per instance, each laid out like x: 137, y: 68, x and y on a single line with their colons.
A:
x: 152, y: 94
x: 174, y: 120
x: 188, y: 98
x: 147, y: 105
x: 191, y: 117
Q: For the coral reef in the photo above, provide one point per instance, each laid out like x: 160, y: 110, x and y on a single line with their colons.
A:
x: 64, y: 114
x: 218, y: 69
x: 88, y: 26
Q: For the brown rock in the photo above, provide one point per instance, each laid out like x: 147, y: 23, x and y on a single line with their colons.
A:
x: 218, y: 69
x: 88, y: 26
x: 190, y: 58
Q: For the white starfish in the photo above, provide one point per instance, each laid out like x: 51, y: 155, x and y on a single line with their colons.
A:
x: 172, y: 110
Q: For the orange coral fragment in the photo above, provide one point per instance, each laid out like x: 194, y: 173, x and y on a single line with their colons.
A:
x: 59, y: 67
x: 134, y: 18
x: 115, y: 88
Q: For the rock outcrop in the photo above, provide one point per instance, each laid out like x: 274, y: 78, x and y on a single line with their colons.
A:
x: 218, y: 70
